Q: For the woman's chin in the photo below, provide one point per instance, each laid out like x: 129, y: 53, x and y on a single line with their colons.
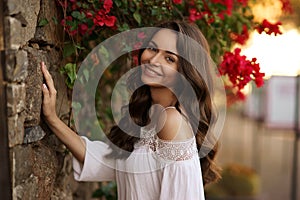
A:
x: 151, y: 83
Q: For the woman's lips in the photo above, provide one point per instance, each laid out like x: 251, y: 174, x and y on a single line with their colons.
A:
x: 150, y: 72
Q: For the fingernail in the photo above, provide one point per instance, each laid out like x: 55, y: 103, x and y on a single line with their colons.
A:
x: 43, y: 65
x: 44, y: 85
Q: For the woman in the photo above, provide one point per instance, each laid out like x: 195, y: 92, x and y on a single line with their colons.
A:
x: 163, y: 160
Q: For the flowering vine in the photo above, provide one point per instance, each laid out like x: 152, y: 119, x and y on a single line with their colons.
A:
x: 84, y: 17
x: 223, y: 22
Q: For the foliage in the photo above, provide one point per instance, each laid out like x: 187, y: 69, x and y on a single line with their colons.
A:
x: 237, y: 180
x: 223, y: 22
x: 108, y: 190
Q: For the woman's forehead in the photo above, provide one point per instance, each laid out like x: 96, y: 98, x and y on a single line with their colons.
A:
x: 165, y: 39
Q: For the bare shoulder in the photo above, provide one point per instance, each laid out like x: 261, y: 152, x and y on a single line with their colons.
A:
x: 172, y: 126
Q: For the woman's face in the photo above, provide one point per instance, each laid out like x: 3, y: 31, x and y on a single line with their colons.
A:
x: 159, y: 61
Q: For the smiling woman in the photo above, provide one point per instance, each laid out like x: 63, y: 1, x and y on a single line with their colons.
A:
x: 159, y: 61
x: 154, y: 159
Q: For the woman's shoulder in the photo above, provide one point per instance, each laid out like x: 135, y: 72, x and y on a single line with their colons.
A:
x: 173, y: 126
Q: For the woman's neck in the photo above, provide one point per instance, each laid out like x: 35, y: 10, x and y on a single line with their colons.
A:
x: 163, y: 96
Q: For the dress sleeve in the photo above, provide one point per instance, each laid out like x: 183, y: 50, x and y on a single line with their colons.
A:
x: 182, y: 180
x: 96, y: 166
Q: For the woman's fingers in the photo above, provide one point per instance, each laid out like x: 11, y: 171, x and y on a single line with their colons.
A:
x: 45, y: 91
x: 48, y: 79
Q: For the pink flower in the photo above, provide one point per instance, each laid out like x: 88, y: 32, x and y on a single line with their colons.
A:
x: 141, y: 35
x: 137, y: 45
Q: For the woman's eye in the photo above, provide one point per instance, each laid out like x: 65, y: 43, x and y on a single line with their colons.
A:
x: 170, y: 59
x: 152, y: 49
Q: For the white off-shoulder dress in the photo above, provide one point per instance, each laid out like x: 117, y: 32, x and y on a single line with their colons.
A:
x: 155, y: 170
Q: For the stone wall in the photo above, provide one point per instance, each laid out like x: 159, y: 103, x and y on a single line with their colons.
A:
x: 41, y: 166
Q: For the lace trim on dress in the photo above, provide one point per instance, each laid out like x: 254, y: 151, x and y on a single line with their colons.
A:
x: 169, y: 150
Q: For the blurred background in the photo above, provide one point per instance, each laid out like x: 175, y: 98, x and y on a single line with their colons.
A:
x: 259, y: 152
x: 259, y: 145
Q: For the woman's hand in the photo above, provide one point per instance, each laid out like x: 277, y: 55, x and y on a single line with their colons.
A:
x: 49, y: 96
x: 73, y: 142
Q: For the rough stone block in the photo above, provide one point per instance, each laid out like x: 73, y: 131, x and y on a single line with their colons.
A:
x: 13, y: 37
x: 33, y: 134
x: 15, y: 94
x: 15, y: 130
x: 16, y: 66
x: 33, y: 83
x: 50, y: 33
x: 35, y: 168
x: 26, y: 12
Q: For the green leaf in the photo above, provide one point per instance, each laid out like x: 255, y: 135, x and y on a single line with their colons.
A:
x: 78, y: 15
x: 76, y: 106
x: 123, y: 27
x: 103, y: 51
x: 137, y: 17
x: 43, y: 22
x: 86, y: 74
x: 79, y: 47
x: 54, y: 19
x: 118, y: 3
x: 70, y: 70
x: 69, y: 49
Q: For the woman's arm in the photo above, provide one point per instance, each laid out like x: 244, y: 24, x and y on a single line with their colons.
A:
x: 72, y: 141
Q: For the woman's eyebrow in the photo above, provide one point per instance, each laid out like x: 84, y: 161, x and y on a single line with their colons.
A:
x: 153, y: 43
x: 168, y: 52
x: 172, y: 53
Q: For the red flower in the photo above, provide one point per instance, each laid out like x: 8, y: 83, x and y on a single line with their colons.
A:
x: 177, y: 1
x: 110, y: 21
x: 137, y: 45
x: 135, y: 60
x: 269, y: 28
x: 89, y: 14
x: 286, y: 6
x: 194, y: 15
x: 228, y: 4
x: 98, y: 19
x: 241, y: 38
x: 239, y: 70
x: 243, y: 2
x: 73, y: 32
x: 83, y: 28
x: 107, y: 5
x: 141, y: 35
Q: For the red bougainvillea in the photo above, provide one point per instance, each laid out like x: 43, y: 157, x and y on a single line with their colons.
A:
x: 85, y: 16
x: 240, y: 71
x: 269, y: 28
x: 286, y: 6
x: 224, y: 23
x: 241, y: 38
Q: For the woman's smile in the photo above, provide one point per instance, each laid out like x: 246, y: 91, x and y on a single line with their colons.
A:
x: 159, y: 60
x: 149, y: 71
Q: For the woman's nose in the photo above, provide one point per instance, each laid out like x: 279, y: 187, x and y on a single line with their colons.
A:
x: 155, y: 59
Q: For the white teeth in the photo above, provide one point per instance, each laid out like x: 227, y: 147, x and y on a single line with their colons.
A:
x: 151, y: 71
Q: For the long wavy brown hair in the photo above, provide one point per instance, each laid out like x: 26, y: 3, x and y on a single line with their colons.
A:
x: 140, y: 101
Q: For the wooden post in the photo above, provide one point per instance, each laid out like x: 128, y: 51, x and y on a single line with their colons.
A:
x: 5, y: 178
